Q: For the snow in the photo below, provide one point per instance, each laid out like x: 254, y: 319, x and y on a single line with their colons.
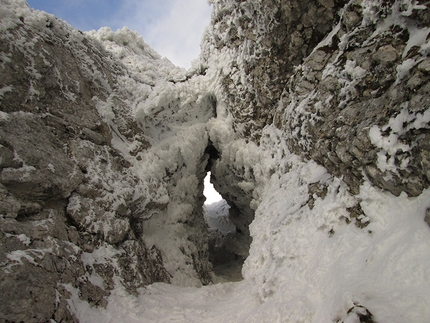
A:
x: 24, y: 239
x: 8, y: 17
x: 5, y: 90
x: 296, y: 272
x: 4, y: 116
x: 210, y: 193
x: 411, y: 5
x: 51, y: 167
x: 404, y: 68
x: 167, y: 303
x: 217, y: 217
x: 390, y: 144
x: 30, y: 255
x: 305, y: 265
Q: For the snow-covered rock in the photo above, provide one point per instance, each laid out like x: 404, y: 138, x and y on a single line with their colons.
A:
x: 91, y: 164
x: 313, y: 119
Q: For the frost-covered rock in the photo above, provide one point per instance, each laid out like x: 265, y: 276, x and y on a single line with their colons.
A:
x: 366, y: 113
x: 78, y: 176
x: 312, y: 117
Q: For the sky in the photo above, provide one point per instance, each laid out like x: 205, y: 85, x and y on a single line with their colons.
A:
x: 210, y: 192
x: 173, y: 28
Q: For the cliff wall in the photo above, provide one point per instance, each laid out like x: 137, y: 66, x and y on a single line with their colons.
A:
x: 312, y: 116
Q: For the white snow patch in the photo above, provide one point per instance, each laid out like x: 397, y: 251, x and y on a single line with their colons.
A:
x: 387, y: 137
x: 217, y: 217
x: 51, y: 168
x: 167, y: 303
x: 24, y: 239
x: 5, y: 90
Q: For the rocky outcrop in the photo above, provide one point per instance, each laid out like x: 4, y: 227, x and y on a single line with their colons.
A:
x: 340, y: 101
x: 367, y: 92
x: 262, y: 42
x: 300, y: 109
x: 355, y: 102
x: 74, y: 193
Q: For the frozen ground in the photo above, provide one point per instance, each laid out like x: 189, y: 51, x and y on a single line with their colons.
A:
x: 228, y: 302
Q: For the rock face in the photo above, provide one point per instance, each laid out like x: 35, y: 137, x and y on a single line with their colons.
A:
x: 339, y: 101
x: 367, y: 95
x: 104, y: 147
x: 74, y: 184
x: 264, y: 41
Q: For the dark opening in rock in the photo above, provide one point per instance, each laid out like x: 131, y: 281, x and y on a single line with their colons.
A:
x: 222, y: 233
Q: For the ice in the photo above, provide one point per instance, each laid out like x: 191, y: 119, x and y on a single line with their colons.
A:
x: 306, y: 263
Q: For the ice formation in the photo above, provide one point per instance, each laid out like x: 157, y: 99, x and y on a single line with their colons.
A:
x: 313, y: 119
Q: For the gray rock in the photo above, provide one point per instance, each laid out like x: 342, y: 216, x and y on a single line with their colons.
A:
x: 386, y: 54
x: 70, y: 146
x: 427, y: 217
x: 9, y: 206
x: 52, y: 141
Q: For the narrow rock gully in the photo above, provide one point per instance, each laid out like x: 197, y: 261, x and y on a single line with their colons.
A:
x: 227, y: 265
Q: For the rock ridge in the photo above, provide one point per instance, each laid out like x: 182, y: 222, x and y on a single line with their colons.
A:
x: 304, y: 112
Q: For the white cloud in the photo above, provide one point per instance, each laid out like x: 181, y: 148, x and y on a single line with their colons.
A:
x: 173, y: 28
